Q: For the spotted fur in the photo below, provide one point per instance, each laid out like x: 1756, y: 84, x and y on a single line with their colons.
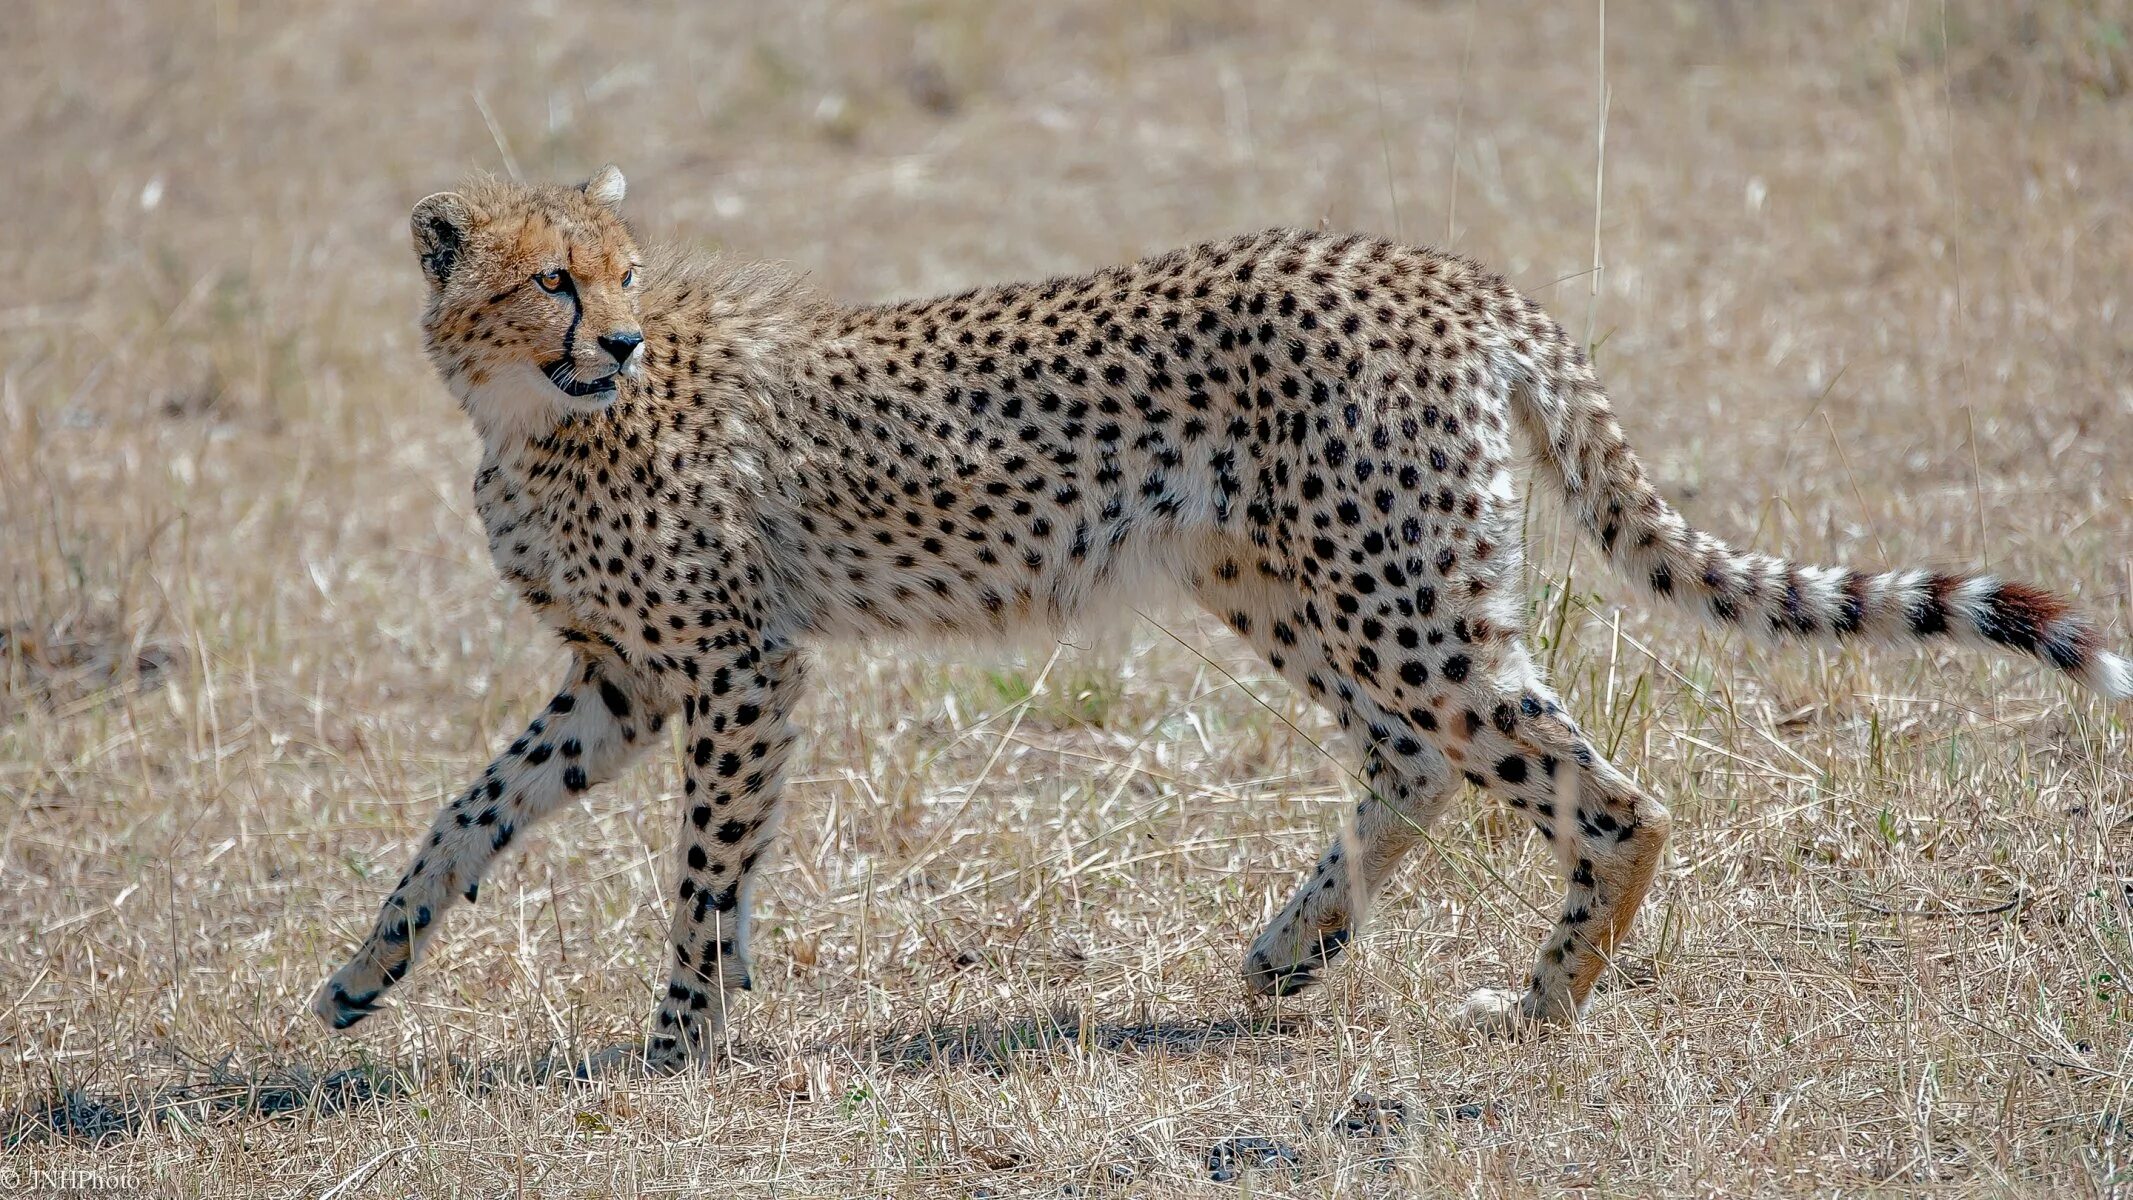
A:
x: 1313, y: 435
x: 1591, y: 466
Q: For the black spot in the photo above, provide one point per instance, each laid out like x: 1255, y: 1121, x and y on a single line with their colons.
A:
x: 1852, y: 609
x: 1931, y: 615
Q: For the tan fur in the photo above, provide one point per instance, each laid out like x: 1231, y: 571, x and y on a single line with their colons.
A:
x: 1312, y: 435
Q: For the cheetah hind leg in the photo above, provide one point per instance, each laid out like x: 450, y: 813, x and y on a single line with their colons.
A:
x: 1409, y: 780
x: 1606, y: 834
x: 1408, y: 791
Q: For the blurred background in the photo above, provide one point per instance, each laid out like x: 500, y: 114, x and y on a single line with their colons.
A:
x: 1856, y: 273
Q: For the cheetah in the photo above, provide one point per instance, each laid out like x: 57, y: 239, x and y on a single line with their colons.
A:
x: 694, y: 471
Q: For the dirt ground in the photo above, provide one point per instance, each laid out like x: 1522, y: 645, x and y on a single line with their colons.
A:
x: 1858, y: 274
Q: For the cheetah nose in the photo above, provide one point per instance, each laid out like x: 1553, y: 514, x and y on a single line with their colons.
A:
x: 621, y: 344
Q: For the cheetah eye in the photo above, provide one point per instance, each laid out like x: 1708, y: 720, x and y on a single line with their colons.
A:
x: 553, y: 280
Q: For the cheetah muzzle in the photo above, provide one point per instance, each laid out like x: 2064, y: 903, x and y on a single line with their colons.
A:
x: 559, y: 373
x: 1312, y: 434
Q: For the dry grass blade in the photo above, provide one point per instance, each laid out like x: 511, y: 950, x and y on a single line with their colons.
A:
x: 249, y: 635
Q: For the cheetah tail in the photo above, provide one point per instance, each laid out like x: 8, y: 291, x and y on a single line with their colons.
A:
x: 1569, y: 420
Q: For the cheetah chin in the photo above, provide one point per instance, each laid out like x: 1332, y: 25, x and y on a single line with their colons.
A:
x: 1312, y: 435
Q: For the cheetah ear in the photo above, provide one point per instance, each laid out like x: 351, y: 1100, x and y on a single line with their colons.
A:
x: 440, y: 225
x: 606, y: 186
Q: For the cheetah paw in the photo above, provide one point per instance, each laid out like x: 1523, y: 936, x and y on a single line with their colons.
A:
x: 339, y: 1009
x: 354, y: 991
x: 1496, y: 1012
x: 1300, y: 966
x: 1263, y: 980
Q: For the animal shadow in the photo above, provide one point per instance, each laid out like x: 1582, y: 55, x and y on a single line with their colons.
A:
x: 278, y: 1092
x: 999, y: 1045
x: 282, y: 1092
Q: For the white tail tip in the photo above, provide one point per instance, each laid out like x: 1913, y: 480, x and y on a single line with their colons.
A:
x: 2110, y: 675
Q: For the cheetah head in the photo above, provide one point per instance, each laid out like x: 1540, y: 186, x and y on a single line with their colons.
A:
x: 532, y: 311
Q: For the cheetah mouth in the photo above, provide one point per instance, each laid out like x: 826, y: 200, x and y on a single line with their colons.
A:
x: 564, y: 376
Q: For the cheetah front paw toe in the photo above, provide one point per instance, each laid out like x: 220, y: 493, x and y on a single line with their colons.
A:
x: 1270, y: 970
x: 1263, y: 978
x: 354, y: 991
x: 339, y: 1008
x: 695, y: 1048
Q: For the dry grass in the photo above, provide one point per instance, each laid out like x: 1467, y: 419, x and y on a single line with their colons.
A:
x: 1864, y: 294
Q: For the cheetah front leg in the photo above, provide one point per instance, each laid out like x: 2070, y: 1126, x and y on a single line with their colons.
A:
x: 739, y: 735
x: 586, y: 735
